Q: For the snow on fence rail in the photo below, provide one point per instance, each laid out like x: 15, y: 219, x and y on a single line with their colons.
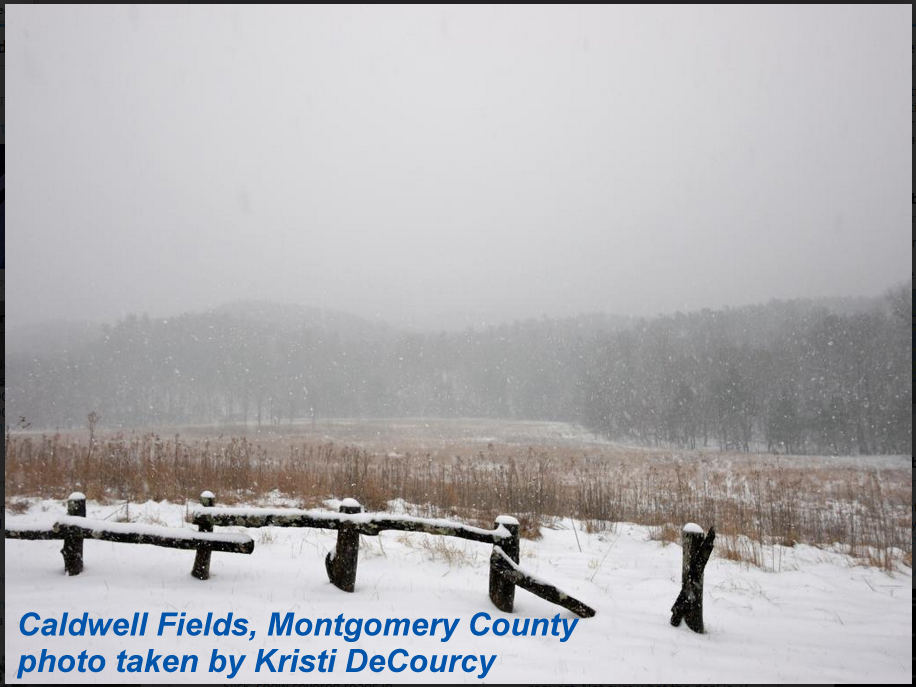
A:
x: 351, y: 522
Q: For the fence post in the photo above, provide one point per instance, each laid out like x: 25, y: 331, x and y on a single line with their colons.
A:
x: 696, y: 548
x: 201, y: 569
x: 341, y: 563
x: 73, y: 543
x: 502, y: 590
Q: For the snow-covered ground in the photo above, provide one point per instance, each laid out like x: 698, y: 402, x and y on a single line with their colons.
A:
x: 820, y: 620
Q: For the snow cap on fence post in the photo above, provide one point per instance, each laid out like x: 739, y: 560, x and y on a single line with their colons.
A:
x: 502, y: 589
x: 72, y: 550
x: 201, y: 569
x: 341, y: 563
x: 74, y: 500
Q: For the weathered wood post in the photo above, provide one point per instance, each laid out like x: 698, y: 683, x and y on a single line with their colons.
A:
x: 502, y: 589
x: 341, y: 563
x: 73, y: 543
x: 696, y: 548
x: 201, y: 569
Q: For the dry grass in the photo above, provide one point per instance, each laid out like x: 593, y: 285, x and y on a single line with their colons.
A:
x: 266, y: 535
x: 754, y: 501
x: 16, y: 506
x: 667, y: 533
x: 442, y: 549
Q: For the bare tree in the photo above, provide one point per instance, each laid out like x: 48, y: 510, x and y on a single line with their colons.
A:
x: 93, y: 421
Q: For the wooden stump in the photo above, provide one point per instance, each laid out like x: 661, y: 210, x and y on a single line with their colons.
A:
x: 341, y: 563
x: 502, y: 588
x: 73, y: 543
x: 695, y: 553
x: 201, y: 569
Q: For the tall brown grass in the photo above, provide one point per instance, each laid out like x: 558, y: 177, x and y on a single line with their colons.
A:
x: 864, y: 512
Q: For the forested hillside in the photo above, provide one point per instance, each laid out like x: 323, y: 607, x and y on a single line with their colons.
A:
x: 791, y: 376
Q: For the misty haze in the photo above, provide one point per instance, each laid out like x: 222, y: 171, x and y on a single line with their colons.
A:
x: 608, y: 270
x: 390, y: 197
x: 438, y: 168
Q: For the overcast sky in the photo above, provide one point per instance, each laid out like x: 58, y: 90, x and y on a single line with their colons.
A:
x: 439, y: 164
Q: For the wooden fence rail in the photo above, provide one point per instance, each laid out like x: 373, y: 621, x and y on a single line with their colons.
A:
x: 32, y: 534
x: 510, y: 571
x: 74, y: 528
x: 370, y: 524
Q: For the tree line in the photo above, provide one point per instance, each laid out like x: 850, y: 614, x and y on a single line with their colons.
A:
x: 787, y: 376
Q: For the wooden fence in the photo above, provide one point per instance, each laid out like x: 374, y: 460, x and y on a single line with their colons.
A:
x: 341, y: 563
x: 75, y: 527
x: 351, y: 521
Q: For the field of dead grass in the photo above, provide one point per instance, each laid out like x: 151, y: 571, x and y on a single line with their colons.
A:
x: 541, y: 474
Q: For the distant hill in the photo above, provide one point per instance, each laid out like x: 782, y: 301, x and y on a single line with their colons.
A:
x: 294, y: 315
x: 51, y: 337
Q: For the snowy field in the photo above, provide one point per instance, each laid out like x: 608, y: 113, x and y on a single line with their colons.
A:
x: 820, y: 620
x: 467, y: 435
x: 418, y: 432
